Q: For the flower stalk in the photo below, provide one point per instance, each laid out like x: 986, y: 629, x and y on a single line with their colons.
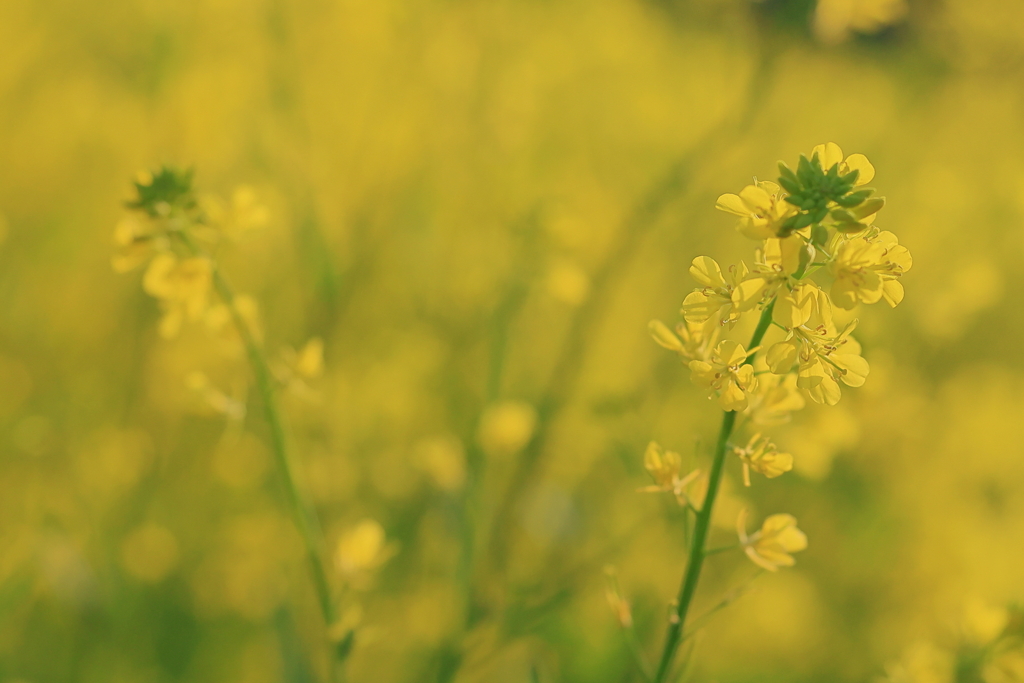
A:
x: 305, y: 516
x: 703, y: 522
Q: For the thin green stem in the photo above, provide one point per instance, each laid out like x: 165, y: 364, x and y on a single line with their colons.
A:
x: 703, y: 522
x: 305, y: 516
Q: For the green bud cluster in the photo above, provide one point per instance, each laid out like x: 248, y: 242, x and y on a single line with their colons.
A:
x: 820, y: 193
x: 168, y: 187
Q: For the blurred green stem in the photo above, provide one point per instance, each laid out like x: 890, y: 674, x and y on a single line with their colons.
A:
x: 305, y: 516
x: 703, y: 522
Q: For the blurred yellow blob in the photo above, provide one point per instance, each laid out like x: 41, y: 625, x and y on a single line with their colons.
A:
x: 983, y: 622
x: 149, y: 553
x: 568, y: 283
x: 443, y: 460
x: 506, y: 428
x: 362, y: 549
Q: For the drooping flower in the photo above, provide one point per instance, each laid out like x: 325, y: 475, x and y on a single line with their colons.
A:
x: 692, y: 341
x: 776, y: 398
x: 771, y: 546
x: 665, y: 468
x: 726, y: 375
x: 764, y: 457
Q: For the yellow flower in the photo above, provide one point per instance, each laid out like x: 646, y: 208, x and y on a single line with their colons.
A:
x: 722, y: 298
x: 692, y: 341
x: 763, y: 456
x: 137, y: 242
x: 855, y: 270
x: 665, y: 467
x: 728, y: 375
x: 507, y: 427
x: 896, y: 260
x: 868, y: 268
x: 362, y: 549
x: 182, y: 285
x: 243, y: 214
x: 619, y: 605
x: 797, y: 305
x: 773, y: 401
x: 823, y: 359
x: 830, y: 154
x: 770, y: 547
x: 761, y: 208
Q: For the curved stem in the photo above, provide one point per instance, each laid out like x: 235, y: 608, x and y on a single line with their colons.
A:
x: 305, y: 516
x: 703, y: 523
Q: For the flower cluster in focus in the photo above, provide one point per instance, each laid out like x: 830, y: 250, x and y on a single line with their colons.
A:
x: 818, y: 254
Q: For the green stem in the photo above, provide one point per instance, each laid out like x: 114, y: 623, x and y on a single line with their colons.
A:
x: 305, y: 516
x: 703, y: 522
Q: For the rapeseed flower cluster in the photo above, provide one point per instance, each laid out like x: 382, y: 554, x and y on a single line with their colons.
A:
x: 818, y: 249
x: 172, y: 233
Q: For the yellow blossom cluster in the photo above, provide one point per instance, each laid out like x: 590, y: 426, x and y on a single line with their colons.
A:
x: 819, y: 249
x: 171, y: 232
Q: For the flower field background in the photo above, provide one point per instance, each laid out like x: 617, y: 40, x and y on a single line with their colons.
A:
x: 472, y: 209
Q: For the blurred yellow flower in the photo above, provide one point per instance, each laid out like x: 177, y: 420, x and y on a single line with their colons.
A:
x: 505, y: 428
x: 763, y: 456
x: 443, y: 459
x: 362, y: 549
x: 728, y: 375
x: 923, y: 663
x: 181, y: 285
x: 665, y: 468
x: 136, y: 242
x: 835, y: 20
x: 619, y: 605
x: 568, y: 282
x: 236, y: 218
x: 774, y: 400
x: 982, y: 622
x: 771, y: 545
x: 692, y: 341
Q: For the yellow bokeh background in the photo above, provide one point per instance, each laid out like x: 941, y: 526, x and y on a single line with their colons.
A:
x: 477, y: 206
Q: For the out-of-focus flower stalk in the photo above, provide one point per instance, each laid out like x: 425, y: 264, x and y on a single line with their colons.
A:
x: 305, y: 516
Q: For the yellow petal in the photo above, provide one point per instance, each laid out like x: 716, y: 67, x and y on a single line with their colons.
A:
x: 756, y: 199
x: 663, y: 336
x: 856, y: 368
x: 859, y: 162
x: 829, y: 155
x: 782, y: 356
x: 698, y: 307
x: 760, y: 561
x: 748, y: 293
x: 731, y: 353
x: 732, y: 397
x: 892, y: 292
x: 731, y: 203
x: 705, y: 270
x: 701, y: 373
